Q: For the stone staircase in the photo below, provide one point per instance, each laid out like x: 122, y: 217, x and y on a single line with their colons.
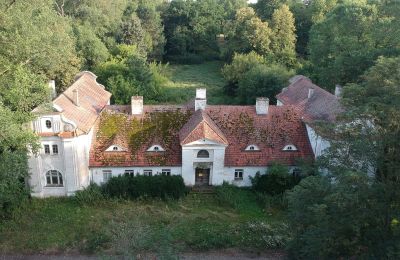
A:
x: 203, y: 189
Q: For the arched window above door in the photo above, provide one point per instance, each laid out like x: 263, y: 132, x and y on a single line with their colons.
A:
x: 203, y: 154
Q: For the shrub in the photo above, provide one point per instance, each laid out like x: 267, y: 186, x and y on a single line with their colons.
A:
x: 133, y: 187
x: 276, y: 181
x: 90, y: 195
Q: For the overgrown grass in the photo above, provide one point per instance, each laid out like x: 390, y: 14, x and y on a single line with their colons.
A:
x: 184, y: 79
x: 166, y: 228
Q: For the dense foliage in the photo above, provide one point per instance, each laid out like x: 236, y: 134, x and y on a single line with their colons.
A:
x: 133, y: 187
x: 276, y: 181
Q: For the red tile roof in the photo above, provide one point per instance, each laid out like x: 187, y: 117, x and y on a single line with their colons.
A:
x: 92, y: 99
x: 236, y: 126
x: 201, y: 126
x: 322, y: 105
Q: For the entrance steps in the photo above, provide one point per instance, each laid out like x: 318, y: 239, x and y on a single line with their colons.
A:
x: 203, y: 189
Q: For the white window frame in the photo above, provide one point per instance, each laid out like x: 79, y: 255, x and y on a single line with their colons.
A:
x: 107, y: 175
x: 156, y: 148
x: 203, y: 157
x: 45, y: 150
x: 252, y: 148
x: 54, y: 173
x: 290, y: 148
x: 166, y: 172
x: 239, y: 172
x: 148, y: 172
x: 52, y: 149
x: 128, y: 172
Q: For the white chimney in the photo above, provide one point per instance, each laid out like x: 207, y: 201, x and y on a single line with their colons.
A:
x: 52, y: 86
x: 310, y: 92
x: 338, y: 90
x: 201, y: 99
x: 75, y: 97
x: 137, y: 105
x: 262, y: 105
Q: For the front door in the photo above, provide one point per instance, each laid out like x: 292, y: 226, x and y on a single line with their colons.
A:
x: 202, y: 177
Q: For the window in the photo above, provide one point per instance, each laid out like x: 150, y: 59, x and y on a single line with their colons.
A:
x: 166, y: 172
x: 54, y: 179
x: 47, y: 149
x: 156, y: 148
x: 290, y: 147
x: 107, y: 174
x: 115, y: 148
x: 203, y: 154
x: 148, y: 173
x: 48, y: 124
x: 55, y: 149
x: 238, y: 174
x: 296, y: 172
x: 129, y: 173
x: 252, y: 148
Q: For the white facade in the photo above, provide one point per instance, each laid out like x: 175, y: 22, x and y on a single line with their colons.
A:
x: 71, y: 161
x: 318, y: 143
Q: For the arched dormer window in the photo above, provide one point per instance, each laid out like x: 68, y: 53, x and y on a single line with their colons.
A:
x: 156, y: 148
x: 203, y: 154
x: 290, y: 147
x: 54, y: 179
x: 252, y: 147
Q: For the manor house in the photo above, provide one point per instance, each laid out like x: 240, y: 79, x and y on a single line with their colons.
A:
x: 86, y: 140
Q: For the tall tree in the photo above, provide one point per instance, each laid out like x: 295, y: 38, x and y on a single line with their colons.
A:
x: 283, y: 40
x: 347, y: 42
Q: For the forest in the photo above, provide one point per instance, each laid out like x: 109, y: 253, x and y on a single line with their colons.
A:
x: 132, y: 45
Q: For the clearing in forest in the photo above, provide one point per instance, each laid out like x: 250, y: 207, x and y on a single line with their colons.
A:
x: 186, y: 78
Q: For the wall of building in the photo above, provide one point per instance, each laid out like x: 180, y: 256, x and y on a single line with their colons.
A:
x: 229, y: 174
x: 318, y: 143
x: 97, y: 176
x: 72, y: 161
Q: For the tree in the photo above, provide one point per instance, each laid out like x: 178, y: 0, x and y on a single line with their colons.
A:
x: 241, y: 64
x: 347, y: 42
x: 263, y: 80
x: 247, y: 33
x: 353, y: 211
x: 89, y: 47
x: 128, y: 74
x: 283, y: 40
x: 34, y: 36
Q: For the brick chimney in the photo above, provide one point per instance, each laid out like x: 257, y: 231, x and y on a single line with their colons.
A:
x: 201, y: 99
x: 75, y: 97
x: 137, y: 105
x: 52, y: 86
x: 262, y: 105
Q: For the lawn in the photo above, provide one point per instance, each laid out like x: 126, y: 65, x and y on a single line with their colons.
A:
x: 184, y: 79
x: 198, y: 222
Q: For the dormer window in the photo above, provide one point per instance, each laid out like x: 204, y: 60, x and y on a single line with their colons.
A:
x: 203, y: 154
x: 290, y: 147
x: 156, y: 148
x: 252, y: 147
x: 48, y: 124
x: 115, y: 148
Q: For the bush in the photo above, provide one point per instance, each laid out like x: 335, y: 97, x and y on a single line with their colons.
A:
x: 276, y: 181
x: 90, y: 195
x: 133, y: 187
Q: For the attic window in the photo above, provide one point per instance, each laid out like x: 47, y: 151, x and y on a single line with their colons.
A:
x: 48, y: 124
x: 203, y: 154
x: 115, y: 148
x: 155, y: 148
x: 252, y: 148
x: 290, y: 147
